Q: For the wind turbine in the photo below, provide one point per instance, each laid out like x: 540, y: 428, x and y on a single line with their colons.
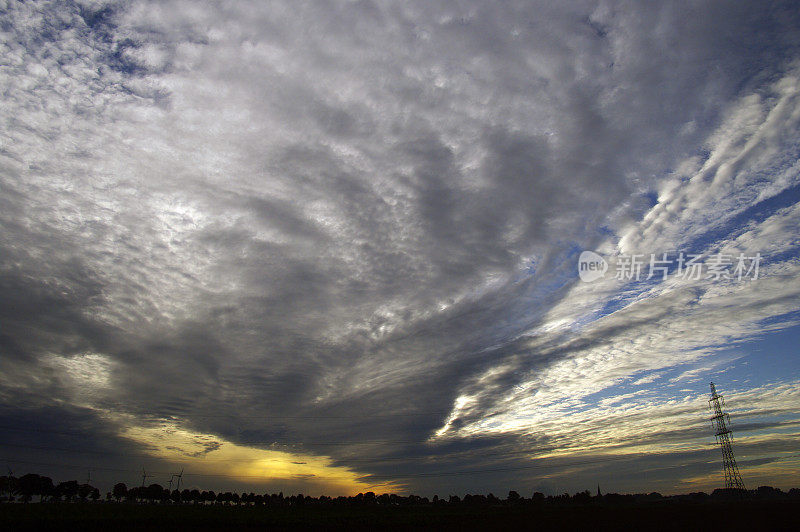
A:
x: 144, y: 476
x: 179, y: 476
x: 10, y: 480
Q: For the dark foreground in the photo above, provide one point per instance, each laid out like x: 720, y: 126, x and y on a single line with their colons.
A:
x: 668, y: 515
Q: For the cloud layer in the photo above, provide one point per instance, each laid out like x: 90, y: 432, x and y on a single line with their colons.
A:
x: 349, y: 230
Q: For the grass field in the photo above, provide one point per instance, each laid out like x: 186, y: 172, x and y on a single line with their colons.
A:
x: 751, y: 515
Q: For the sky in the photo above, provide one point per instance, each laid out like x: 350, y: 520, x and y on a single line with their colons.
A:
x: 333, y: 247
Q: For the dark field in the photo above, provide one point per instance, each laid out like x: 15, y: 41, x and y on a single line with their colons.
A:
x: 743, y: 515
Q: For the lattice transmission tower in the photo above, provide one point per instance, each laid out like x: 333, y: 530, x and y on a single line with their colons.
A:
x: 721, y: 422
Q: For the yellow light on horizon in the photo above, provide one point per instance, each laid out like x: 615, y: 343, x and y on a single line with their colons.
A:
x: 207, y: 454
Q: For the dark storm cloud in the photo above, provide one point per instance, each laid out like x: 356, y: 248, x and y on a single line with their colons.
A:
x: 66, y: 443
x: 317, y: 225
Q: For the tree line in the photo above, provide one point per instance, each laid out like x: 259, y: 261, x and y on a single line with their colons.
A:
x: 27, y: 486
x: 30, y: 486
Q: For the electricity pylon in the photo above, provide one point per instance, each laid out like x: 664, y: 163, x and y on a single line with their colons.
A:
x: 722, y: 432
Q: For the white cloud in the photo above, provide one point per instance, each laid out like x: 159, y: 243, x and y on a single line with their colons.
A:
x: 674, y: 322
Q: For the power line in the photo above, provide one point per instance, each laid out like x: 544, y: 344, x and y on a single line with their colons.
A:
x: 245, y: 442
x: 186, y: 415
x: 235, y: 460
x: 400, y: 476
x: 268, y: 445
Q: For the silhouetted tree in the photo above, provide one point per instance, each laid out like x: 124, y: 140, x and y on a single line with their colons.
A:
x: 582, y: 497
x: 135, y: 494
x: 68, y: 490
x: 768, y: 492
x: 33, y: 484
x: 26, y: 486
x: 154, y: 493
x: 8, y: 486
x: 120, y: 491
x: 84, y: 491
